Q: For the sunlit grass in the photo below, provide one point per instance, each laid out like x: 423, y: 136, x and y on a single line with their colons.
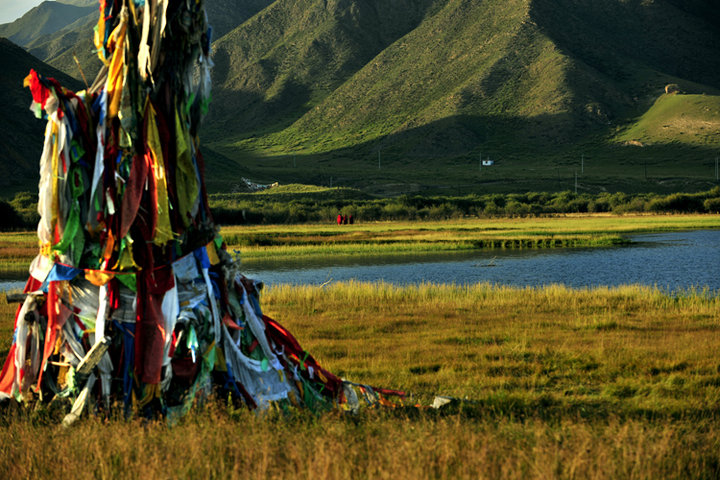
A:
x: 481, y: 340
x: 453, y: 235
x: 561, y: 383
x: 267, y: 241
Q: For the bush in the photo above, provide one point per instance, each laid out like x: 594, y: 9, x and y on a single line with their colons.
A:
x: 517, y: 209
x: 395, y: 211
x: 677, y: 202
x: 712, y: 205
x: 443, y: 211
x: 9, y: 218
x: 253, y: 209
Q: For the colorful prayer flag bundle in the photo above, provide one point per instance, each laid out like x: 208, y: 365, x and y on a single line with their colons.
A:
x: 133, y: 299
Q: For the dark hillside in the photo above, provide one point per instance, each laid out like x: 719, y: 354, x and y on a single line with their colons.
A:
x: 21, y: 145
x: 618, y: 38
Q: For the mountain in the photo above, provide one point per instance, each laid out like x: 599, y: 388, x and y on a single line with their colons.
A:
x: 74, y: 38
x: 22, y: 139
x: 45, y: 19
x: 61, y: 48
x: 445, y: 80
x: 291, y: 56
x: 416, y: 92
x: 318, y: 76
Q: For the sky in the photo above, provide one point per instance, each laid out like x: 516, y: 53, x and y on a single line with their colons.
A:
x: 10, y: 10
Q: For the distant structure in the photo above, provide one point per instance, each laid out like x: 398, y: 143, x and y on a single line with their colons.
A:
x: 488, y: 163
x: 671, y: 88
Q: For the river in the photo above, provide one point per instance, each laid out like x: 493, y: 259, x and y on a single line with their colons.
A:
x: 672, y: 261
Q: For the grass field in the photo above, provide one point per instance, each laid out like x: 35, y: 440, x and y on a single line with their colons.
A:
x: 464, y: 234
x: 278, y: 241
x: 561, y: 383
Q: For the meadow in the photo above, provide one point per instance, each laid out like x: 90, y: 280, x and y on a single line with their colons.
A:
x: 254, y: 241
x: 17, y: 249
x: 557, y: 383
x: 552, y: 382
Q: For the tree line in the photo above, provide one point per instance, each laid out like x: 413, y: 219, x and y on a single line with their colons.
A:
x: 266, y: 210
x: 20, y: 213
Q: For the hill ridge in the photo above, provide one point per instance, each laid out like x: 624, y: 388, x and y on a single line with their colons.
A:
x: 433, y: 84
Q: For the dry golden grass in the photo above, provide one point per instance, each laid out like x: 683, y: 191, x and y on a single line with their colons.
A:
x: 600, y: 383
x: 215, y: 445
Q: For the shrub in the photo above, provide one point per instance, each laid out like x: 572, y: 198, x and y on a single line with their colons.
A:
x: 517, y: 209
x: 712, y: 205
x: 677, y: 202
x: 254, y: 209
x: 9, y: 218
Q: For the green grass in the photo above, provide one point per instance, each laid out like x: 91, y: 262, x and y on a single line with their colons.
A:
x: 408, y: 237
x: 687, y: 119
x: 452, y: 235
x: 603, y: 383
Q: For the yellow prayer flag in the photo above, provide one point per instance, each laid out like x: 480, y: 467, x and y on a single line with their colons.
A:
x: 98, y: 277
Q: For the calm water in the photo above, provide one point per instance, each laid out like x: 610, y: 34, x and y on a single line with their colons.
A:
x: 671, y: 261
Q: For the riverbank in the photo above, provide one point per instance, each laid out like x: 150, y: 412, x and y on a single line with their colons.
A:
x: 601, y: 383
x: 285, y: 241
x: 596, y: 230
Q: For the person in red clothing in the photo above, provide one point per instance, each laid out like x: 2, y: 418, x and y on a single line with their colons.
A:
x: 340, y: 219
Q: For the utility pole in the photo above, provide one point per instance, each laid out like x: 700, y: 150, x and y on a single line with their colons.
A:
x: 558, y: 178
x: 582, y: 164
x: 575, y: 182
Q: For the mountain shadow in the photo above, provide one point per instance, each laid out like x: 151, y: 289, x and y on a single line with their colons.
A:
x: 290, y: 56
x: 446, y: 154
x: 21, y: 144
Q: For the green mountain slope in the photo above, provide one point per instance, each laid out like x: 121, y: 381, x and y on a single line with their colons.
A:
x: 287, y: 59
x: 22, y: 140
x: 686, y: 119
x: 531, y: 81
x: 448, y: 86
x: 76, y: 37
x: 323, y: 91
x: 46, y: 18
